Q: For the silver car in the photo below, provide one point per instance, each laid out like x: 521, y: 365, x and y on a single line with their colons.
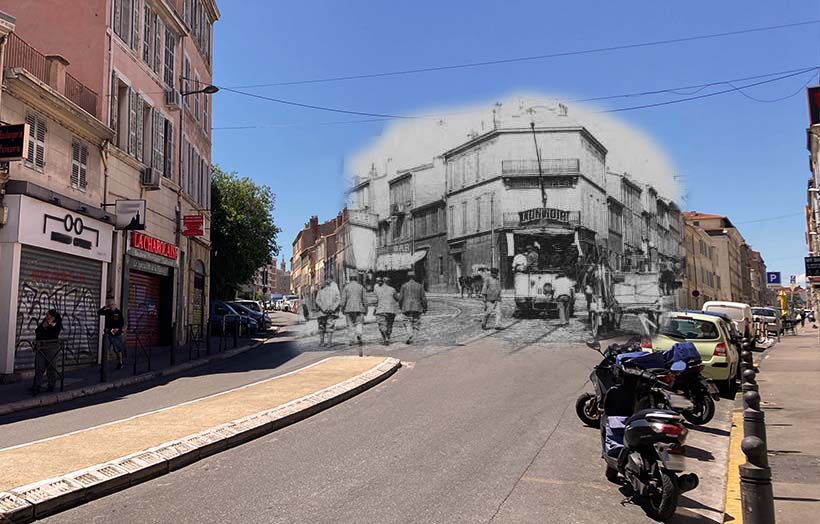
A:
x: 770, y: 317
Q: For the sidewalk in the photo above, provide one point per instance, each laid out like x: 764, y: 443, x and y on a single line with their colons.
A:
x: 789, y: 381
x: 82, y: 381
x: 46, y: 476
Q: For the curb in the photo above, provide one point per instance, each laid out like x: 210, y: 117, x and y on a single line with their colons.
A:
x: 64, y: 396
x: 47, y: 497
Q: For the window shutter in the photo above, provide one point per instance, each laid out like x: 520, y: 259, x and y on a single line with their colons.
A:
x: 132, y: 122
x: 83, y: 166
x: 32, y: 137
x: 135, y: 27
x: 146, y: 36
x: 75, y: 164
x: 40, y: 153
x: 117, y: 15
x: 115, y: 106
x: 158, y: 27
x: 169, y: 148
x: 140, y: 145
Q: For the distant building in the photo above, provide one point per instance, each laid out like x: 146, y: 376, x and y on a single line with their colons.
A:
x: 268, y: 280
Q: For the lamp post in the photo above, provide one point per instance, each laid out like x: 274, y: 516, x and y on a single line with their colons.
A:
x: 207, y: 90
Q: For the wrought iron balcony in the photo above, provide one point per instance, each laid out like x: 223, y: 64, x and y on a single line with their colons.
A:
x: 549, y: 166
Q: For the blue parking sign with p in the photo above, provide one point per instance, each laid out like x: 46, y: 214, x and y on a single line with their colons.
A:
x: 773, y: 277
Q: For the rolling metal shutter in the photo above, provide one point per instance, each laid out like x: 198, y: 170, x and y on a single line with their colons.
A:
x: 143, y: 308
x: 69, y: 284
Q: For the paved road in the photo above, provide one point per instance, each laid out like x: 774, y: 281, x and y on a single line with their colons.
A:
x: 483, y: 432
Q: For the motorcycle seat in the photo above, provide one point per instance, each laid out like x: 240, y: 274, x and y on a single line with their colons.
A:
x: 646, y: 413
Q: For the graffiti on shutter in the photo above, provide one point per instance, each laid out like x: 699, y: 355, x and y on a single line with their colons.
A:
x: 69, y: 284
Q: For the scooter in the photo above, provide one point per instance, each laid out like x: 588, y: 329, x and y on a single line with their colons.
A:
x: 646, y: 447
x: 588, y: 406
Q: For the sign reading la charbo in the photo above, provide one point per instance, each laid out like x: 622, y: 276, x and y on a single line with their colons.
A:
x: 153, y: 245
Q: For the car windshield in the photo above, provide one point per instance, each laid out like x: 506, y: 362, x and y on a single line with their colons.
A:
x: 762, y: 312
x: 689, y: 329
x: 251, y: 305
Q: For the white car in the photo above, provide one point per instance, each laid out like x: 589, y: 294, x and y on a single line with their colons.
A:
x: 740, y: 313
x: 770, y: 317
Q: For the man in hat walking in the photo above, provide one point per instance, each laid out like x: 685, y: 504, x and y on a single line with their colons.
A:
x: 386, y: 307
x: 491, y: 294
x: 354, y: 308
x: 413, y: 303
x: 327, y: 309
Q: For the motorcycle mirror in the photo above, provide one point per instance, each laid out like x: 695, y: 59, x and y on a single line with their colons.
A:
x: 678, y: 366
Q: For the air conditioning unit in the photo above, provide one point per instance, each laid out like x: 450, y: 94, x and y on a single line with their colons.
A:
x: 172, y: 98
x: 150, y: 178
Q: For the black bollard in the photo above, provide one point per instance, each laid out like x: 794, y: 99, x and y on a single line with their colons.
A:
x: 754, y: 420
x: 756, y: 496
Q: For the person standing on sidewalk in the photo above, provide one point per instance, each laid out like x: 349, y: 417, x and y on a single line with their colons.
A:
x: 386, y: 308
x: 47, y: 348
x: 413, y: 302
x: 327, y: 310
x: 112, y: 332
x: 354, y: 308
x: 491, y: 294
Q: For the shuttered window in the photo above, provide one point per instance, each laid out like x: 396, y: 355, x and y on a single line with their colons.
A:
x: 186, y: 72
x: 196, y: 96
x: 36, y: 141
x: 139, y: 129
x: 133, y: 114
x: 159, y: 27
x: 169, y: 149
x: 79, y: 164
x: 147, y: 35
x: 170, y: 45
x: 158, y: 141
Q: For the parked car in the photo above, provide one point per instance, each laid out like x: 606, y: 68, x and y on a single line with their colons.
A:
x: 740, y: 313
x: 253, y: 305
x: 713, y: 339
x: 260, y: 317
x: 770, y: 317
x: 287, y: 303
x: 222, y: 313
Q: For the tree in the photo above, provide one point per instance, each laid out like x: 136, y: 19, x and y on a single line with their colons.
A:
x: 243, y: 233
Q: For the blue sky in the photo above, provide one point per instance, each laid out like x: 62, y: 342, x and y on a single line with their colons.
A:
x: 736, y: 156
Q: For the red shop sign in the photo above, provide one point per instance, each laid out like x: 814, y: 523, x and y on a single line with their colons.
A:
x: 153, y: 245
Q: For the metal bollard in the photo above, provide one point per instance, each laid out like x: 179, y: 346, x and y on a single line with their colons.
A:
x: 756, y: 496
x: 754, y: 420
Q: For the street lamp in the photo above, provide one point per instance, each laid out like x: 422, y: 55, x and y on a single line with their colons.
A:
x: 207, y: 90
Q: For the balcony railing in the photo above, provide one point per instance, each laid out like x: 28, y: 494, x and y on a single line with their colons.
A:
x: 19, y: 54
x: 549, y: 166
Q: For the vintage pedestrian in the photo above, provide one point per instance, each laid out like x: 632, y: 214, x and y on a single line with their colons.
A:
x: 354, y: 307
x: 327, y: 311
x: 47, y: 340
x: 491, y: 294
x: 413, y: 303
x: 386, y: 308
x: 532, y: 258
x: 519, y: 262
x: 112, y: 332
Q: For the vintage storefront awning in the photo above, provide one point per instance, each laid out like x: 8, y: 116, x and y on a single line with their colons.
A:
x: 399, y: 261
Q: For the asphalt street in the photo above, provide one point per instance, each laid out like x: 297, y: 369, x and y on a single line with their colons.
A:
x: 482, y: 432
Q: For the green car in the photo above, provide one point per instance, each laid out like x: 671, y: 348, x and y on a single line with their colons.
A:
x: 711, y: 336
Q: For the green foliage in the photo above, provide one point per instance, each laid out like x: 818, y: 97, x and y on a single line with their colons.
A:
x: 243, y: 233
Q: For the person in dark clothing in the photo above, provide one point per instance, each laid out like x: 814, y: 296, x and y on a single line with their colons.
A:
x: 47, y: 337
x: 112, y: 333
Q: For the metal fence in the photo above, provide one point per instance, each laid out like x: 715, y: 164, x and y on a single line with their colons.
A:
x: 548, y: 166
x: 80, y: 94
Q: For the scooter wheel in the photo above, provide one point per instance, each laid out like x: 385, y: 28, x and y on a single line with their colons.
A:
x: 586, y: 407
x: 703, y: 413
x: 662, y: 505
x: 612, y: 475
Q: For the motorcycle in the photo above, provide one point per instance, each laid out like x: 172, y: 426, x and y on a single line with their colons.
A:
x: 588, y: 406
x: 682, y: 366
x: 645, y: 447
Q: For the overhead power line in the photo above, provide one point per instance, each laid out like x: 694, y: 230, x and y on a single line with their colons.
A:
x: 379, y: 117
x: 707, y: 95
x: 769, y: 219
x: 546, y: 56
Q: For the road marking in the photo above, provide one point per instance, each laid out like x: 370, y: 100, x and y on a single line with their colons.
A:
x: 165, y: 408
x: 732, y: 511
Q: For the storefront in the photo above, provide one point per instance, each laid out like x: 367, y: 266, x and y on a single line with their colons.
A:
x: 151, y: 264
x: 52, y: 258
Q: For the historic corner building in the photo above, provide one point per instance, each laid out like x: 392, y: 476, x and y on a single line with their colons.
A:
x: 473, y: 206
x: 111, y: 117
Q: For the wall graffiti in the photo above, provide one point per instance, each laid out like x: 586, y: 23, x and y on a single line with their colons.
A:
x: 76, y: 302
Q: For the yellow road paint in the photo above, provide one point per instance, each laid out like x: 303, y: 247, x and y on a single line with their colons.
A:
x: 35, y: 461
x: 733, y: 511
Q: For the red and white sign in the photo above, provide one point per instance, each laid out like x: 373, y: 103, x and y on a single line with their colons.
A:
x: 193, y: 225
x: 153, y: 245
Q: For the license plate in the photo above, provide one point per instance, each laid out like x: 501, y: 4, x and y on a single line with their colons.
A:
x: 674, y: 462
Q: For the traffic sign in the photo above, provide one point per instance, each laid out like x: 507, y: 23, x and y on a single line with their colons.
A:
x: 695, y: 293
x: 773, y: 279
x: 792, y: 279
